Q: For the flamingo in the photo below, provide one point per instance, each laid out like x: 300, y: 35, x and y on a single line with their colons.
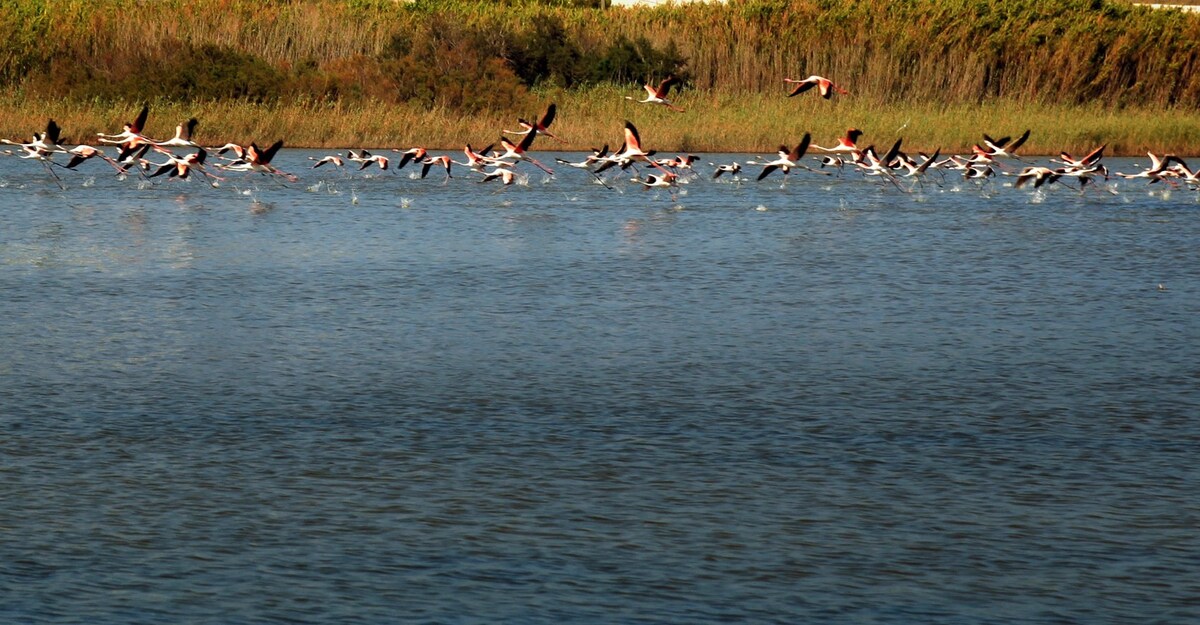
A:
x: 1156, y: 171
x: 541, y: 126
x: 81, y: 153
x: 1090, y: 159
x: 872, y: 165
x: 360, y: 157
x: 630, y: 152
x: 591, y: 159
x: 831, y: 161
x: 409, y: 155
x: 444, y: 161
x: 1192, y: 178
x: 681, y: 162
x: 131, y: 133
x: 993, y: 148
x: 259, y: 160
x: 131, y: 156
x: 334, y: 160
x: 824, y: 85
x: 1038, y: 175
x: 787, y: 158
x: 917, y: 169
x: 239, y: 151
x: 377, y: 159
x: 518, y: 152
x: 653, y: 181
x: 182, y: 167
x: 476, y: 160
x: 505, y: 175
x: 183, y: 136
x: 846, y: 145
x: 974, y: 172
x: 732, y: 168
x: 42, y: 142
x: 658, y: 95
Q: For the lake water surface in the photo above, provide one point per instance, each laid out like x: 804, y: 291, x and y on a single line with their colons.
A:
x: 381, y: 400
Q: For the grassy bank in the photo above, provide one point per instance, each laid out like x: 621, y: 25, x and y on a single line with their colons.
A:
x: 713, y: 122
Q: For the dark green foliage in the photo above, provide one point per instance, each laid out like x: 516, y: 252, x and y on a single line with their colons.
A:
x: 546, y: 53
x: 637, y: 61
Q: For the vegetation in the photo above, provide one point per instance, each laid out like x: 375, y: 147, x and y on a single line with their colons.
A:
x: 350, y: 72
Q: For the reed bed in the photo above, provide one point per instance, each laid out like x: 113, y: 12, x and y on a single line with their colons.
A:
x: 1075, y: 51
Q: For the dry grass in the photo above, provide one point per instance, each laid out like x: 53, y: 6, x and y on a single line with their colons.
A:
x: 713, y: 122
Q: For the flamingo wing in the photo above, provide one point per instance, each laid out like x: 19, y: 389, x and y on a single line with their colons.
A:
x: 140, y: 123
x: 548, y: 117
x: 1019, y: 142
x: 798, y: 152
x: 801, y: 87
x: 188, y: 128
x: 665, y: 85
x: 632, y: 140
x: 527, y: 141
x: 269, y: 154
x: 1094, y: 156
x: 767, y: 170
x: 52, y: 132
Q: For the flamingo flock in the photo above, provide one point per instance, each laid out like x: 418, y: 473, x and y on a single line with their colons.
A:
x: 181, y: 158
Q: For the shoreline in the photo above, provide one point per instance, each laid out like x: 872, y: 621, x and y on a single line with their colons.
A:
x: 752, y: 123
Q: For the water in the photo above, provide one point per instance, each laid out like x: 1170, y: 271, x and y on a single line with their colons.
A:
x: 387, y: 400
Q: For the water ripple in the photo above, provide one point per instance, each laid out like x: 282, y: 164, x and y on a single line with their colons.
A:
x: 384, y: 400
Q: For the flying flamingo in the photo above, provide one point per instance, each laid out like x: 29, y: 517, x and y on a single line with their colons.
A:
x: 541, y: 126
x: 518, y: 152
x: 81, y: 153
x: 1157, y: 170
x: 787, y: 158
x: 42, y: 143
x: 133, y: 156
x: 630, y: 152
x: 1092, y: 158
x: 476, y: 160
x: 872, y: 165
x: 732, y: 168
x: 505, y: 175
x: 846, y: 145
x: 824, y: 85
x: 594, y: 157
x: 131, y: 134
x: 239, y: 151
x: 653, y: 181
x: 183, y: 136
x: 1039, y: 176
x: 681, y: 162
x: 443, y: 161
x: 335, y: 160
x: 377, y: 159
x: 259, y: 160
x: 993, y: 148
x: 182, y: 167
x: 658, y: 95
x: 410, y: 155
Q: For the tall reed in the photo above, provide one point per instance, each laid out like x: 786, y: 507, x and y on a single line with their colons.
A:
x: 955, y: 51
